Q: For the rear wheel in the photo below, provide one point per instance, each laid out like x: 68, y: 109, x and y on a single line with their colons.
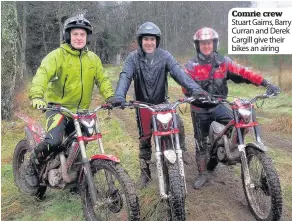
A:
x: 264, y: 194
x: 20, y: 159
x: 117, y: 199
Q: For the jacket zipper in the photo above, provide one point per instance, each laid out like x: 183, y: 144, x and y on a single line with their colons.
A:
x: 81, y: 79
x: 64, y: 87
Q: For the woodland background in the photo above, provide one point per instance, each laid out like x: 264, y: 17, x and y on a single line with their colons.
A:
x: 30, y: 30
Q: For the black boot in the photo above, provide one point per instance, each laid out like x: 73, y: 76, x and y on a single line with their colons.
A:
x: 203, y: 177
x: 30, y: 174
x: 36, y: 157
x: 145, y: 173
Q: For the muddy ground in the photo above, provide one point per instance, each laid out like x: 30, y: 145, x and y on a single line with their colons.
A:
x: 223, y: 199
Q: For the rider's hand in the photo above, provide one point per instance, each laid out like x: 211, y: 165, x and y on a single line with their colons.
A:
x: 38, y: 103
x: 116, y: 102
x: 271, y: 88
x: 202, y: 95
x: 109, y: 100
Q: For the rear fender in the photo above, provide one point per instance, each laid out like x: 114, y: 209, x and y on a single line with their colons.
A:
x: 259, y: 146
x: 34, y: 132
x: 105, y: 157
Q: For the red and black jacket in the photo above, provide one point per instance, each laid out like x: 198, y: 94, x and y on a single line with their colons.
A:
x: 215, y: 81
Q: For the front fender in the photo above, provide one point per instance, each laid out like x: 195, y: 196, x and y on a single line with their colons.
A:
x: 105, y: 157
x: 259, y: 146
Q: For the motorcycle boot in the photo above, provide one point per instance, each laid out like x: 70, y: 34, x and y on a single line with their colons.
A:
x: 187, y: 159
x: 203, y: 177
x: 145, y: 177
x: 30, y: 174
x: 34, y: 162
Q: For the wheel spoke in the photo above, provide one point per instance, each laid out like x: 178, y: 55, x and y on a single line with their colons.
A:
x: 113, y: 198
x: 258, y: 194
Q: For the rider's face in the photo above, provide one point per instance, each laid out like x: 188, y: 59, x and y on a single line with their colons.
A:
x: 206, y: 47
x: 78, y: 38
x: 149, y: 44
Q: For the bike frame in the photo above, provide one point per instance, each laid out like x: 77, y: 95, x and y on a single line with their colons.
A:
x: 171, y: 133
x: 240, y: 124
x: 35, y: 133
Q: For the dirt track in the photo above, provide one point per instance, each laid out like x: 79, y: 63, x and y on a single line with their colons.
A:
x: 223, y: 199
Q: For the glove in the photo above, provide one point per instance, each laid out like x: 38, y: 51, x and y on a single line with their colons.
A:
x: 38, y: 103
x: 271, y: 88
x: 116, y: 102
x: 109, y: 100
x: 201, y: 95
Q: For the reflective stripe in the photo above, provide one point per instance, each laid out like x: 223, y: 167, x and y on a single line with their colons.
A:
x: 54, y: 121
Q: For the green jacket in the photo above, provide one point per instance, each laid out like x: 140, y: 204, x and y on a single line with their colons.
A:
x: 67, y: 77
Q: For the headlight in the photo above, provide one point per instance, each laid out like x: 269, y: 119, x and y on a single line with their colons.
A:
x: 164, y: 118
x: 88, y: 125
x: 245, y: 114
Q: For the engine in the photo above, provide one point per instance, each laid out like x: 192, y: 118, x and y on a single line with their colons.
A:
x: 54, y: 172
x: 55, y: 177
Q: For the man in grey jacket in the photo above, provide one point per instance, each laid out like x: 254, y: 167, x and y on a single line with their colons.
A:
x: 149, y: 67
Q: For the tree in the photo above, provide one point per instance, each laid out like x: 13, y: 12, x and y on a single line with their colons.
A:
x: 9, y: 57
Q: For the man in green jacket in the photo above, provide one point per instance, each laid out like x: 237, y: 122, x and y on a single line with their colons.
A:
x: 66, y: 76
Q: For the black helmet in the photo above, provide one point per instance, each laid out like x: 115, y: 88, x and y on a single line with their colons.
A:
x: 76, y: 22
x: 206, y: 34
x: 148, y: 28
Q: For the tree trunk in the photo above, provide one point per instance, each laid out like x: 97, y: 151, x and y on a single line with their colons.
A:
x: 44, y: 35
x: 118, y: 59
x: 60, y: 22
x: 165, y: 27
x: 11, y: 91
x: 22, y: 37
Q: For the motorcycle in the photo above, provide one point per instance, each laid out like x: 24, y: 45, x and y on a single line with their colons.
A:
x: 168, y: 155
x: 259, y: 177
x: 107, y: 192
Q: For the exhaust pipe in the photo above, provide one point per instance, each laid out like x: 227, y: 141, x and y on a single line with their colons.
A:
x: 64, y: 169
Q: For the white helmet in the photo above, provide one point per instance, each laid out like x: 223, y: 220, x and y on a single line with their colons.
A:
x: 206, y: 34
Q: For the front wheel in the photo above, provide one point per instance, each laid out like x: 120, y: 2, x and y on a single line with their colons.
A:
x: 117, y: 198
x: 264, y: 194
x: 20, y: 158
x: 176, y: 193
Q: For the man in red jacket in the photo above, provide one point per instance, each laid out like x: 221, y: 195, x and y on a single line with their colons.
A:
x: 211, y: 71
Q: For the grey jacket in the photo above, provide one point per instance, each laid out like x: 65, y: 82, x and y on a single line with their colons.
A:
x: 150, y: 76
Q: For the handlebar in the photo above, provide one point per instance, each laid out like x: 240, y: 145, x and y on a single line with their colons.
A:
x: 59, y: 108
x: 155, y: 107
x: 136, y: 104
x: 218, y: 99
x: 211, y: 100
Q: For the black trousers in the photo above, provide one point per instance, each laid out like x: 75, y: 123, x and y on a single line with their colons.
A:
x: 57, y: 126
x: 202, y: 121
x: 144, y: 122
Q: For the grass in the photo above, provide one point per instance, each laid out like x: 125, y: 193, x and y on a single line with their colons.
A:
x: 61, y: 205
x: 113, y: 72
x: 275, y: 114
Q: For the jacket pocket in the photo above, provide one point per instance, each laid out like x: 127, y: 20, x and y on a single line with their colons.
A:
x: 63, y: 94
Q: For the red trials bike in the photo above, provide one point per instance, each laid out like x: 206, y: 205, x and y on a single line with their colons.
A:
x: 259, y: 178
x: 107, y: 192
x: 168, y: 155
